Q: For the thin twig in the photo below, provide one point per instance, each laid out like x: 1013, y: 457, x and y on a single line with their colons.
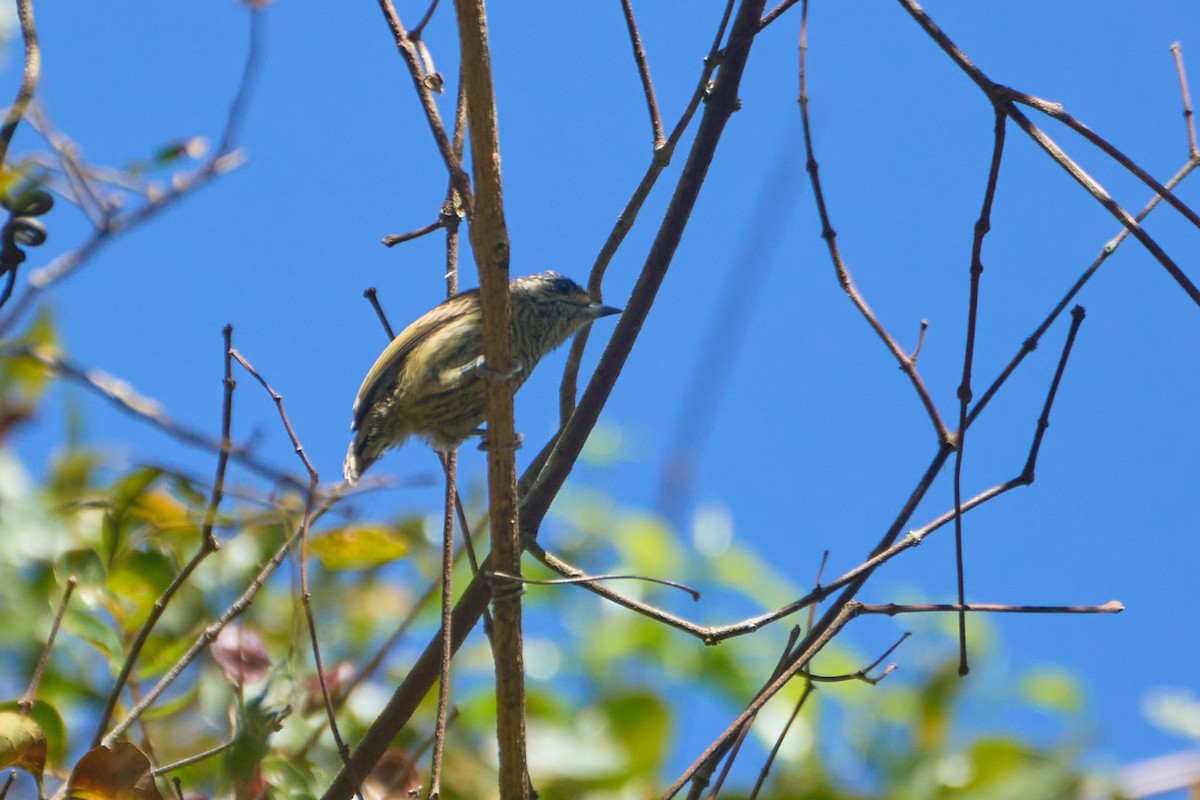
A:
x: 206, y: 638
x: 863, y: 674
x: 25, y: 704
x: 372, y: 664
x: 639, y: 55
x: 183, y: 762
x: 412, y: 60
x: 907, y: 364
x: 29, y: 78
x: 420, y: 26
x: 373, y: 299
x: 776, y: 12
x: 787, y: 726
x: 1189, y: 119
x: 1077, y: 315
x: 982, y: 226
x: 79, y: 182
x: 701, y: 778
x: 588, y: 578
x: 399, y: 238
x: 450, y: 464
x: 807, y: 649
x: 1055, y: 111
x: 1031, y: 342
x: 892, y: 609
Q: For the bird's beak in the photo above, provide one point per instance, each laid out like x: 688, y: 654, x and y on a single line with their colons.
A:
x: 596, y: 310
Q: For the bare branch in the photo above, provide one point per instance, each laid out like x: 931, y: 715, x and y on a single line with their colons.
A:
x: 982, y: 226
x: 208, y: 546
x: 892, y: 609
x: 25, y: 704
x: 412, y: 59
x: 29, y: 78
x: 907, y: 364
x: 639, y: 55
x: 1189, y: 119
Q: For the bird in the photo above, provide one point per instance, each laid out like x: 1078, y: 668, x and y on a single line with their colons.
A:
x: 429, y: 382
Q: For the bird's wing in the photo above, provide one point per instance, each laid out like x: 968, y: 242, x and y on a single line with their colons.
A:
x: 382, y: 377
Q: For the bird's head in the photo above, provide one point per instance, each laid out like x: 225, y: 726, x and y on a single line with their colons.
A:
x: 556, y: 297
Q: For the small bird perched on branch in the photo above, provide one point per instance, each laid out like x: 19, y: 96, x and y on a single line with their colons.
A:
x: 428, y: 382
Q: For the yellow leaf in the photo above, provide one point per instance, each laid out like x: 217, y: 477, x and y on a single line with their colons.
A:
x: 22, y: 744
x: 360, y: 547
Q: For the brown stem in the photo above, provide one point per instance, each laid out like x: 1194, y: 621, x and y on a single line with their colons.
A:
x: 489, y: 242
x: 208, y: 544
x: 25, y: 704
x: 639, y: 55
x: 29, y: 78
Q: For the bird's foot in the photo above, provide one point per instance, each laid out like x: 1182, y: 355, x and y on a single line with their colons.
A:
x: 485, y: 445
x: 490, y: 374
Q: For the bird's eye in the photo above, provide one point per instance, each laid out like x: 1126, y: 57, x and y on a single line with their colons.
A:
x: 564, y: 286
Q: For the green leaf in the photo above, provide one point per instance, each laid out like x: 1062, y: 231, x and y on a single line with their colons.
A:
x: 1052, y: 689
x: 92, y: 629
x: 138, y: 579
x: 360, y: 546
x: 124, y: 493
x: 642, y: 723
x: 647, y: 546
x: 85, y: 566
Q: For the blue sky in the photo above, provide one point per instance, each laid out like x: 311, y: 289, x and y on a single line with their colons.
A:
x: 817, y: 438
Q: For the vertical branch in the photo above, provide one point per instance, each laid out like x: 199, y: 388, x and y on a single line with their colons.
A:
x: 443, y: 704
x: 489, y: 241
x: 29, y: 78
x: 450, y: 219
x: 982, y: 226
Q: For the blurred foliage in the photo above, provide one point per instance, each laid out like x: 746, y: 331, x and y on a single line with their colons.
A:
x: 612, y: 695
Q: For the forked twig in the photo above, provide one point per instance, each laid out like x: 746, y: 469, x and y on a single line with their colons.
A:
x: 208, y: 546
x: 907, y: 364
x: 1004, y: 98
x: 305, y: 527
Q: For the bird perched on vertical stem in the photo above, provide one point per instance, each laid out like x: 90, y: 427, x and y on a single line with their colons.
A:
x: 429, y: 381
